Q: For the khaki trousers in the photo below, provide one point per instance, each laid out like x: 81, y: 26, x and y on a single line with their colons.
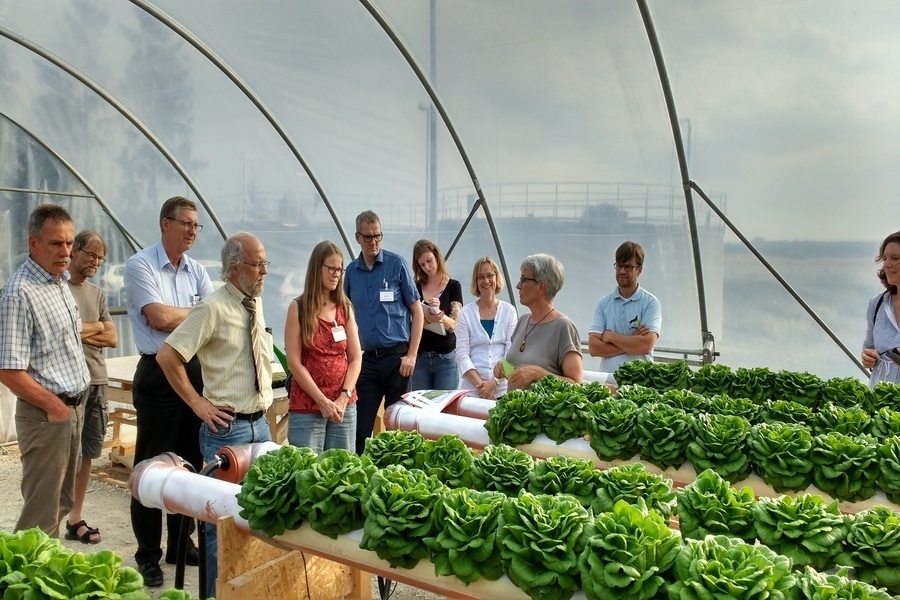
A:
x: 49, y: 463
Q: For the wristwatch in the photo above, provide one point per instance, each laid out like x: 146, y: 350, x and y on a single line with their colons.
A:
x: 348, y: 392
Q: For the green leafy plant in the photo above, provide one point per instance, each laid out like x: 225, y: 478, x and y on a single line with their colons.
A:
x: 464, y: 541
x: 709, y: 506
x: 501, y: 468
x: 755, y: 383
x: 872, y: 547
x: 885, y: 393
x: 885, y: 423
x: 889, y: 467
x: 563, y: 475
x: 723, y: 404
x: 549, y: 384
x: 174, y: 594
x: 688, y: 401
x: 396, y: 447
x: 804, y: 528
x: 515, y: 419
x: 540, y: 539
x: 781, y: 454
x: 268, y: 496
x: 32, y: 565
x: 718, y: 444
x: 627, y: 554
x: 634, y: 372
x: 669, y: 376
x: 330, y: 491
x: 849, y: 421
x: 563, y: 415
x: 610, y: 424
x: 785, y: 411
x: 712, y: 379
x: 847, y: 392
x: 845, y: 466
x: 595, y: 391
x: 398, y: 508
x: 632, y: 482
x: 662, y: 434
x: 450, y: 460
x: 812, y: 585
x: 721, y: 567
x: 800, y: 387
x: 639, y: 394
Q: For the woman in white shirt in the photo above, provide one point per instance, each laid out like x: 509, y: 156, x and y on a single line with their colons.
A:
x: 484, y: 331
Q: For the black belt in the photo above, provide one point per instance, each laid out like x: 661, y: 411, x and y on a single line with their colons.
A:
x: 71, y: 400
x: 389, y: 351
x: 149, y: 356
x: 247, y: 416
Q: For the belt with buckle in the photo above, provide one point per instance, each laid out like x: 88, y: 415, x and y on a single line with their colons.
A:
x: 247, y: 416
x: 389, y: 351
x: 71, y: 400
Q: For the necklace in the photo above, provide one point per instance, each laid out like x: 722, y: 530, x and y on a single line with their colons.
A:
x: 528, y: 331
x: 490, y: 309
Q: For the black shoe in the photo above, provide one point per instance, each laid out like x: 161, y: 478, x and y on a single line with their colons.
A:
x: 191, y: 558
x: 152, y: 574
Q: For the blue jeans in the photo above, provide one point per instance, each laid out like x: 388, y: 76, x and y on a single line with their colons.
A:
x: 435, y: 371
x: 318, y: 433
x: 239, y: 432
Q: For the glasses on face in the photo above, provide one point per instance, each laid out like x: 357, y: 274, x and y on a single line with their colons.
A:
x: 334, y: 270
x: 188, y: 225
x: 487, y: 277
x: 94, y: 257
x: 523, y: 279
x: 368, y: 238
x: 263, y: 264
x: 626, y: 268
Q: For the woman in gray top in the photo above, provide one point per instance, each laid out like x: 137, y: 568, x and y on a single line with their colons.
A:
x: 545, y: 341
x: 881, y: 348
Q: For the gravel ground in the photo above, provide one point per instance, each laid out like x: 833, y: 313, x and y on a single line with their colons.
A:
x: 107, y: 507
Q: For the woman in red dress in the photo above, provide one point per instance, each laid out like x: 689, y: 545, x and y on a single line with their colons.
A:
x: 323, y: 353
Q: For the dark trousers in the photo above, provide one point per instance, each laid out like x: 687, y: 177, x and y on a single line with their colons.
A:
x: 379, y: 378
x: 165, y: 423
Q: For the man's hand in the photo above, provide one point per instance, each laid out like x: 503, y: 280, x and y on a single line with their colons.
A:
x: 58, y: 412
x: 213, y: 416
x: 407, y: 365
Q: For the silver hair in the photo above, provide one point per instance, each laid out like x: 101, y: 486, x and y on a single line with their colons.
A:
x: 233, y: 252
x: 43, y: 212
x: 366, y: 216
x: 548, y: 269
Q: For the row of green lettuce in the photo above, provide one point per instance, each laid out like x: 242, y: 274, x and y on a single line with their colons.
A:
x: 559, y: 525
x: 759, y: 384
x: 844, y: 451
x: 36, y: 566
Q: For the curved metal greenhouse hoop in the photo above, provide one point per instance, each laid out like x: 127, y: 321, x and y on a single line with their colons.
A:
x: 206, y: 51
x: 132, y: 242
x: 111, y: 100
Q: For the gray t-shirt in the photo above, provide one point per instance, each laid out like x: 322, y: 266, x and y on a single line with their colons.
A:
x: 547, y: 343
x: 92, y: 308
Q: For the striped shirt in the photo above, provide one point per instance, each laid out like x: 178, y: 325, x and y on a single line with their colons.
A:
x: 218, y: 332
x: 40, y: 331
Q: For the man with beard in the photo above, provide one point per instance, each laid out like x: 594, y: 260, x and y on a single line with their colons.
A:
x: 162, y: 284
x: 627, y: 321
x: 97, y: 332
x: 228, y: 333
x: 42, y: 363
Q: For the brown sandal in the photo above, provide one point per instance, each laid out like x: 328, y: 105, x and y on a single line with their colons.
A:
x: 84, y: 538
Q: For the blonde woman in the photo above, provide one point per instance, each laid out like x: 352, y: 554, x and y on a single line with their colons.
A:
x: 323, y: 352
x: 484, y: 332
x: 442, y: 301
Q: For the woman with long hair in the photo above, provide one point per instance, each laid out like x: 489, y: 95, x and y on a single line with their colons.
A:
x: 322, y: 346
x: 881, y: 348
x: 442, y: 301
x: 484, y: 333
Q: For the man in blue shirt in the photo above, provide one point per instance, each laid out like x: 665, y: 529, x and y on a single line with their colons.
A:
x: 390, y: 319
x: 627, y: 321
x: 162, y: 283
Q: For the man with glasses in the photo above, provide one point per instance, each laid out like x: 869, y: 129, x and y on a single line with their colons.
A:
x: 162, y: 284
x: 227, y: 332
x: 390, y: 319
x: 97, y: 332
x: 627, y: 321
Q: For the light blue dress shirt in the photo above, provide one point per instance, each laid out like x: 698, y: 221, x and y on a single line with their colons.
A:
x: 625, y: 315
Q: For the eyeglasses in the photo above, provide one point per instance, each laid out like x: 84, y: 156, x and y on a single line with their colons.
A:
x: 487, y: 277
x: 626, y: 268
x: 94, y: 257
x: 334, y: 270
x: 523, y: 279
x: 368, y: 238
x: 259, y: 265
x: 188, y: 225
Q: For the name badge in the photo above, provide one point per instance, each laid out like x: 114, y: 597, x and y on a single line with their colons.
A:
x: 386, y: 295
x: 338, y: 333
